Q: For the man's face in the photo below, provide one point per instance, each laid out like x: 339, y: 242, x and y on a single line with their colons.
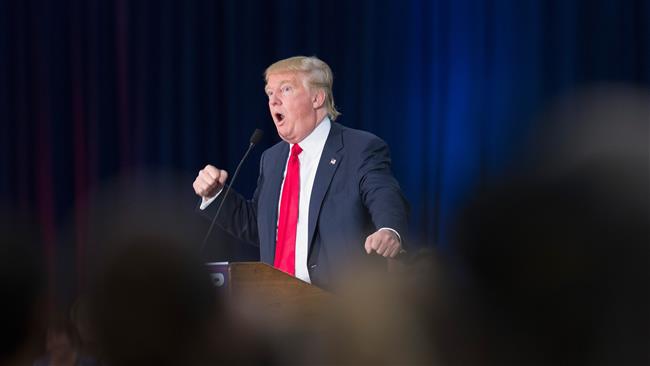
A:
x: 294, y: 108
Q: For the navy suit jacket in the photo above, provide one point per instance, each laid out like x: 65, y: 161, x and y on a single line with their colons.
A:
x: 354, y: 194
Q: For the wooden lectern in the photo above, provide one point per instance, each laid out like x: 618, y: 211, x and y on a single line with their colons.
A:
x: 262, y: 293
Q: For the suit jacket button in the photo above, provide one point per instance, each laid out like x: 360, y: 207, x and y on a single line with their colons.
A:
x: 313, y: 266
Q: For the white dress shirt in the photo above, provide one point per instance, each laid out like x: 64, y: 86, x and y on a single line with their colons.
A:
x: 312, y: 149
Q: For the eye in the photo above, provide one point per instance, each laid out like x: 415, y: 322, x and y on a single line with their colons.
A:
x: 286, y: 88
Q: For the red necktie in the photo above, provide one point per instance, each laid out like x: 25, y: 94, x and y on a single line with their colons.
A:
x: 285, y: 247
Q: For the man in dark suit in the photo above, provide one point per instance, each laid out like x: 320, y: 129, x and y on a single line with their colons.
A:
x: 326, y: 198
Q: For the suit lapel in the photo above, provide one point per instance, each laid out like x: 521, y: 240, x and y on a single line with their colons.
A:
x: 329, y: 162
x: 275, y: 184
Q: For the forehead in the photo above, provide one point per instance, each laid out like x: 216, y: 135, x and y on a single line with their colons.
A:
x: 278, y: 78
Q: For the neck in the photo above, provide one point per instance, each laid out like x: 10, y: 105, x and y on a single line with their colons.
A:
x: 319, y: 119
x: 320, y: 115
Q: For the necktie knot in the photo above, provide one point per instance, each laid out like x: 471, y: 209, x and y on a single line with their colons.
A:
x: 296, y: 150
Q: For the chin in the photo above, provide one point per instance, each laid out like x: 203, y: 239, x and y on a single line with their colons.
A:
x: 284, y: 135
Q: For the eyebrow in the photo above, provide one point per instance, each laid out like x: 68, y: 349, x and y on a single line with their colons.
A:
x: 266, y: 88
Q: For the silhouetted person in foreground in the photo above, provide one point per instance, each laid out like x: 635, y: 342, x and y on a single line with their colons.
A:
x: 154, y: 304
x: 557, y: 257
x: 151, y: 300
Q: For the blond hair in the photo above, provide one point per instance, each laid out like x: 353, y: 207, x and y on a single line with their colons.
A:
x: 319, y: 76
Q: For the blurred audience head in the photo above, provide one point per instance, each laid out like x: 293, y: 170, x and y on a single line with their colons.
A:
x: 153, y: 304
x: 151, y: 299
x: 557, y: 256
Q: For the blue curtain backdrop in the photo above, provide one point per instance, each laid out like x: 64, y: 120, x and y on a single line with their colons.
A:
x: 93, y: 90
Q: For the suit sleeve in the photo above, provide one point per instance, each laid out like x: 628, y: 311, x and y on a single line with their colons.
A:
x: 379, y: 190
x: 238, y: 216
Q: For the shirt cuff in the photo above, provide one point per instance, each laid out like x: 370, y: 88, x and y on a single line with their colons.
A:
x: 393, y: 230
x: 205, y: 202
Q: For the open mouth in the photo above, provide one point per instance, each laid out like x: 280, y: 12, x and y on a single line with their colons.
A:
x: 279, y: 117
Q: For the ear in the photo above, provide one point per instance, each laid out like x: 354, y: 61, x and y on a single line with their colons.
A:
x: 318, y: 98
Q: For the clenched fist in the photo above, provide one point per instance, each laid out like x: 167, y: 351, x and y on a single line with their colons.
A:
x: 209, y: 181
x: 385, y: 243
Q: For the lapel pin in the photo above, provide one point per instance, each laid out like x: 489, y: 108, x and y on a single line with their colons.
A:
x: 333, y: 161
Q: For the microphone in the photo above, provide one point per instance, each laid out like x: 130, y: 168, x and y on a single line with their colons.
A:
x: 255, y: 138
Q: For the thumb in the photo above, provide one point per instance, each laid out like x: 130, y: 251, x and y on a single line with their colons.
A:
x: 368, y: 245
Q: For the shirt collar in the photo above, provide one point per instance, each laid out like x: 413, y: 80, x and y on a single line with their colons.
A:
x: 315, y: 141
